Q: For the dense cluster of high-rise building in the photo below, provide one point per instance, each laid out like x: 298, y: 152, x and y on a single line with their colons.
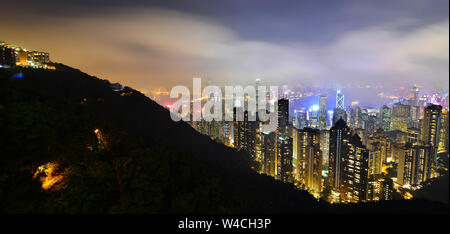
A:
x: 358, y: 154
x: 12, y: 56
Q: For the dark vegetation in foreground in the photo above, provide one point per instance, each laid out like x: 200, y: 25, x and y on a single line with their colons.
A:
x: 147, y: 163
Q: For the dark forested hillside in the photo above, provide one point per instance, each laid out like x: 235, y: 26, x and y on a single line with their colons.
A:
x: 69, y: 143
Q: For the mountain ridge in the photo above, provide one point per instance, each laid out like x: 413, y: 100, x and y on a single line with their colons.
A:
x: 150, y: 164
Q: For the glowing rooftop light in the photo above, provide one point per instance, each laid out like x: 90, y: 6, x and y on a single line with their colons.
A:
x: 315, y: 107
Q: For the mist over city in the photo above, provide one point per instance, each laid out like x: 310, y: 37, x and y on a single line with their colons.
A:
x: 225, y: 115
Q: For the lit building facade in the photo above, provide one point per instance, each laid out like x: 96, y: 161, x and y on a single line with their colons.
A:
x: 431, y: 127
x: 11, y: 56
x: 309, y: 158
x: 284, y: 159
x: 339, y: 99
x: 400, y: 117
x: 283, y: 117
x: 268, y: 151
x: 417, y: 165
x: 322, y: 112
x: 379, y: 146
x: 348, y: 169
x: 245, y: 134
x: 385, y: 115
x: 444, y: 136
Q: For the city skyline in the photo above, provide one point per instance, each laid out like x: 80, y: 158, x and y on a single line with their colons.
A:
x: 225, y: 107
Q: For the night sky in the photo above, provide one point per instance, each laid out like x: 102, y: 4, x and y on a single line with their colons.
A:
x: 329, y: 44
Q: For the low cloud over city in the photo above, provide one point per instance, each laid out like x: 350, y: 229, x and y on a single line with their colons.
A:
x: 150, y: 47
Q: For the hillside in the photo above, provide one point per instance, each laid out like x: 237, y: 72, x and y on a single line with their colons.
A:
x: 101, y: 151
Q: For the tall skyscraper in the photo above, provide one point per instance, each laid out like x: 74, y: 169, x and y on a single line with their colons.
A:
x: 309, y: 158
x: 339, y: 100
x: 385, y: 115
x: 283, y: 117
x: 258, y: 147
x: 245, y: 134
x: 355, y: 171
x: 284, y: 159
x: 400, y: 152
x: 325, y: 148
x: 379, y: 147
x: 330, y: 118
x: 357, y: 116
x: 268, y: 150
x: 444, y: 135
x: 338, y: 133
x: 257, y: 83
x: 414, y: 115
x: 400, y: 117
x: 300, y: 116
x: 322, y: 112
x: 431, y: 129
x: 313, y: 116
x: 414, y: 96
x: 348, y: 169
x: 417, y: 165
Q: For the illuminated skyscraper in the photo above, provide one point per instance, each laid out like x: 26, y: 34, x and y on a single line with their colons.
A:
x: 385, y: 115
x: 258, y: 147
x: 245, y: 134
x: 348, y: 169
x: 414, y: 115
x: 414, y: 96
x: 322, y: 112
x: 268, y: 151
x: 431, y: 127
x: 309, y: 158
x: 357, y: 115
x: 400, y: 117
x: 284, y: 159
x: 444, y: 135
x: 338, y: 134
x: 330, y: 118
x: 257, y: 83
x: 417, y: 165
x: 414, y: 93
x: 313, y: 116
x: 339, y: 99
x: 379, y: 147
x: 355, y: 171
x: 400, y: 152
x: 300, y: 116
x: 370, y: 126
x: 325, y: 148
x: 283, y: 117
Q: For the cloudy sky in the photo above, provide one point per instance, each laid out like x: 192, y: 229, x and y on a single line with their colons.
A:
x: 151, y: 44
